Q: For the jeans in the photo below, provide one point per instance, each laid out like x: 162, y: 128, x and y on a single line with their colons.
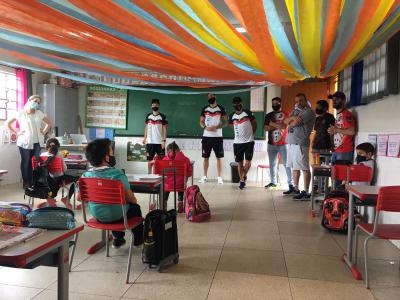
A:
x: 342, y: 156
x: 273, y: 152
x: 26, y: 161
x: 133, y: 211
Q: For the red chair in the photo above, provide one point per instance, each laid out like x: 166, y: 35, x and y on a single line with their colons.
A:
x: 388, y: 200
x: 107, y: 191
x: 181, y: 172
x: 266, y: 167
x: 340, y: 172
x: 360, y: 173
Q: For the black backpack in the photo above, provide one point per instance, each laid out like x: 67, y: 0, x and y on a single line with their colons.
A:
x: 43, y: 185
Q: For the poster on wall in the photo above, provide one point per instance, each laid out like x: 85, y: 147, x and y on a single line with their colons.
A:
x: 106, y: 107
x: 393, y: 145
x: 382, y: 145
x: 136, y: 151
x: 371, y: 139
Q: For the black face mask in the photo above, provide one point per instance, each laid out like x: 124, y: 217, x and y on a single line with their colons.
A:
x: 339, y: 105
x: 360, y: 159
x: 155, y: 108
x: 211, y: 100
x: 238, y: 107
x: 276, y: 107
x: 111, y: 161
x: 319, y: 111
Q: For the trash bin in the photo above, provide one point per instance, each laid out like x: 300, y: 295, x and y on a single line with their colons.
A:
x: 234, y: 172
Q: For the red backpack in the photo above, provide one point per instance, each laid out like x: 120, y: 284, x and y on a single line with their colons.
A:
x: 335, y: 214
x: 196, y: 207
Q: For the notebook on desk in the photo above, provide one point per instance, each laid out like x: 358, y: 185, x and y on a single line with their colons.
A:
x: 11, y: 235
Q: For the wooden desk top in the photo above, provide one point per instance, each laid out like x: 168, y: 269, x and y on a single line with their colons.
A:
x: 19, y: 255
x: 364, y: 192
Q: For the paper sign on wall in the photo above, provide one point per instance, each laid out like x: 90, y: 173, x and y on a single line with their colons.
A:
x: 393, y: 145
x: 372, y: 139
x: 382, y: 145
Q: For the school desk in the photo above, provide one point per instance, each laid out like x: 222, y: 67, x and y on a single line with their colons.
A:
x: 319, y: 172
x: 24, y: 254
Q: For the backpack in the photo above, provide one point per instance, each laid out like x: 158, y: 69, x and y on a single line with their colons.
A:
x: 52, y: 218
x: 335, y: 214
x: 196, y: 207
x: 43, y: 185
x: 14, y: 213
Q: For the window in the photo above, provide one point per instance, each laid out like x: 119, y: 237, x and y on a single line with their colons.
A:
x: 345, y: 81
x: 374, y: 74
x: 8, y: 94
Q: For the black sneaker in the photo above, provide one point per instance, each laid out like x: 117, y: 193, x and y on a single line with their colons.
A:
x: 303, y: 196
x: 242, y: 184
x: 118, y: 243
x: 292, y: 190
x: 271, y: 186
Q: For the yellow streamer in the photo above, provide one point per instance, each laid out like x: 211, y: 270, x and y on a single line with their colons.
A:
x: 217, y: 25
x: 375, y: 22
x: 309, y: 16
x: 290, y: 8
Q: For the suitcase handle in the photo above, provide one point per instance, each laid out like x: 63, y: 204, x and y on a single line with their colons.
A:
x: 163, y: 185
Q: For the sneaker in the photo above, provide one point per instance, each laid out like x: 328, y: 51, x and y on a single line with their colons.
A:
x: 118, y: 243
x: 219, y: 180
x: 242, y: 184
x: 271, y: 186
x: 203, y: 179
x: 180, y: 207
x: 302, y: 196
x: 292, y: 190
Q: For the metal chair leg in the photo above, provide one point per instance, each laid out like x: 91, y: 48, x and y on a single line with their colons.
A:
x: 107, y: 244
x: 355, y: 245
x: 366, y: 261
x: 73, y: 251
x: 128, y: 269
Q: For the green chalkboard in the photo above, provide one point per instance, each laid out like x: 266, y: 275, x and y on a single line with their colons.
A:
x: 182, y: 111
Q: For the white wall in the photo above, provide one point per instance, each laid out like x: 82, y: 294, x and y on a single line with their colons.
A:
x: 382, y: 117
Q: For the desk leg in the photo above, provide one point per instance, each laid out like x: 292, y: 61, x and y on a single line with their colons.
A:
x: 63, y: 271
x: 348, y: 257
x: 96, y: 247
x: 161, y: 198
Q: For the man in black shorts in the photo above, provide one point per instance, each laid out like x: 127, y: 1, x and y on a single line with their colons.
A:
x: 155, y: 133
x: 212, y: 120
x: 244, y: 125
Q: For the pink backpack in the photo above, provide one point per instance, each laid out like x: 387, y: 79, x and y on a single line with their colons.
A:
x: 196, y: 207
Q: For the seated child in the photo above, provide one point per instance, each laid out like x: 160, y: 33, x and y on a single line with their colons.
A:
x: 100, y: 155
x: 365, y: 152
x: 174, y: 153
x: 52, y: 146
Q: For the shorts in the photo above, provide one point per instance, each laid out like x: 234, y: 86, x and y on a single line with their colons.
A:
x: 212, y: 143
x: 245, y: 150
x: 297, y: 157
x: 153, y: 149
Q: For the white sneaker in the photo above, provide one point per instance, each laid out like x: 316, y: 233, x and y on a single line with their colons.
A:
x: 203, y: 179
x: 219, y: 180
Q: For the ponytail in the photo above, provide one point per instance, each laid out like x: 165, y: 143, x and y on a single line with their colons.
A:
x: 173, y: 147
x: 52, y: 146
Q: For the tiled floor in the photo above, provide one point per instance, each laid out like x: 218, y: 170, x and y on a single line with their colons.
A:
x: 258, y: 245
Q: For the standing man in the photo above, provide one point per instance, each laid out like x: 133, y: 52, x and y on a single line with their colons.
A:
x: 300, y: 124
x: 155, y: 133
x: 212, y: 119
x: 277, y: 132
x: 344, y: 130
x: 244, y: 125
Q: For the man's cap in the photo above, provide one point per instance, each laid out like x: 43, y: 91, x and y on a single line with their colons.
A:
x: 338, y: 94
x: 236, y: 100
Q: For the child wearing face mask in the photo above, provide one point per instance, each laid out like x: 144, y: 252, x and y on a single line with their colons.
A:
x: 365, y: 152
x: 323, y: 141
x: 174, y: 153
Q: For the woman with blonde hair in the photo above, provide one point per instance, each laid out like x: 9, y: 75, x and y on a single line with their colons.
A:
x: 30, y: 134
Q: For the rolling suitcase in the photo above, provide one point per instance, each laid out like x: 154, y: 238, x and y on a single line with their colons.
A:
x: 160, y: 246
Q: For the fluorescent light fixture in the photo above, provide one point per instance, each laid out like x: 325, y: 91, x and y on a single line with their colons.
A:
x: 240, y: 29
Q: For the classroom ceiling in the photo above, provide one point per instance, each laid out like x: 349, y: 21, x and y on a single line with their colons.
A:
x: 193, y: 42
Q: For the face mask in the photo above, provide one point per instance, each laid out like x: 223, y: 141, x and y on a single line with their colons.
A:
x: 360, y: 158
x: 53, y: 149
x: 319, y: 111
x: 238, y: 107
x: 211, y: 100
x: 111, y: 161
x: 276, y: 107
x: 34, y: 105
x: 155, y: 108
x: 337, y: 105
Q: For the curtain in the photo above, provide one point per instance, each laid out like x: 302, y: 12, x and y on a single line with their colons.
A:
x: 22, y: 87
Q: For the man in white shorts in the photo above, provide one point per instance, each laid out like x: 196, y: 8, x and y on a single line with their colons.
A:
x: 300, y: 124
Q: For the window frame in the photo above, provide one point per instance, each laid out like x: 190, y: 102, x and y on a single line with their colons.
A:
x: 7, y: 100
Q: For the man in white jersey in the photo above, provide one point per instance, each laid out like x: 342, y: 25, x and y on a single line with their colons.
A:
x: 155, y: 133
x: 212, y: 120
x: 244, y: 125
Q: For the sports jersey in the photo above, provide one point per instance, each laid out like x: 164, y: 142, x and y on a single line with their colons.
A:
x: 242, y: 126
x: 212, y: 117
x: 276, y: 137
x: 154, y: 125
x: 344, y: 142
